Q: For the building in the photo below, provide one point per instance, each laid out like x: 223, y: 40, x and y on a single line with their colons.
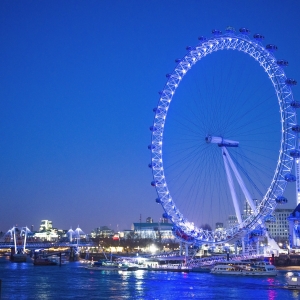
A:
x: 294, y: 228
x: 46, y: 232
x: 156, y: 231
x: 46, y: 225
x: 248, y: 210
x: 232, y: 221
x: 102, y: 232
x: 149, y: 220
x: 219, y: 226
x: 279, y: 230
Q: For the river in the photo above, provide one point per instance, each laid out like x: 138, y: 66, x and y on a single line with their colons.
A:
x: 74, y: 281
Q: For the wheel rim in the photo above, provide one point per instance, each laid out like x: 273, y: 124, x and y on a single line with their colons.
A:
x: 183, y: 226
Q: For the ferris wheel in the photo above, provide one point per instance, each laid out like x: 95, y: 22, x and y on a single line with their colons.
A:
x: 224, y: 149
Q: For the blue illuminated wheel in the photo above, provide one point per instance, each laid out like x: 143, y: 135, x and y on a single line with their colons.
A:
x: 214, y: 151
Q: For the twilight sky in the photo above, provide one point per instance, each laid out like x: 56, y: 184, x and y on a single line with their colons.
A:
x: 78, y: 84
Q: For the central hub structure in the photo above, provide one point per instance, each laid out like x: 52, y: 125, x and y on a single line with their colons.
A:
x: 221, y: 141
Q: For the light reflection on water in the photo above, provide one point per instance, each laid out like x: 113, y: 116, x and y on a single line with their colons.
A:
x: 296, y: 294
x: 72, y: 281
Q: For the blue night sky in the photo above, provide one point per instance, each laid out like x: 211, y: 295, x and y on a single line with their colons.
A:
x: 78, y: 84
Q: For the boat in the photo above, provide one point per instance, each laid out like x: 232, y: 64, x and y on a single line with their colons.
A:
x: 226, y: 270
x: 130, y: 266
x: 107, y: 266
x: 169, y: 268
x: 293, y: 281
x: 245, y: 268
x: 44, y: 261
x: 19, y: 257
x: 201, y: 269
x: 164, y: 262
x: 254, y: 270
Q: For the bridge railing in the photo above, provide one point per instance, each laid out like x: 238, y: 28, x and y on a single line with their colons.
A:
x: 4, y: 245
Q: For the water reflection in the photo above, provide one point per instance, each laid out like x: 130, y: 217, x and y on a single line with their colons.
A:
x: 272, y: 295
x: 74, y: 282
x: 271, y: 281
x: 296, y: 294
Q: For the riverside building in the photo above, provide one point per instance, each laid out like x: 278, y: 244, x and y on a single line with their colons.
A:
x: 102, y: 232
x: 279, y: 230
x: 156, y: 231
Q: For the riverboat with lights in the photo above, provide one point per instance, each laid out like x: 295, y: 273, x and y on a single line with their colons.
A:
x: 107, y: 266
x: 245, y: 268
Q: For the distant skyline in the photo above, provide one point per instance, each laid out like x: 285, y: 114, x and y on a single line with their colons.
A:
x: 78, y: 84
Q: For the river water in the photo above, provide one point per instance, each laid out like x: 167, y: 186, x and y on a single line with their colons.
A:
x: 73, y: 281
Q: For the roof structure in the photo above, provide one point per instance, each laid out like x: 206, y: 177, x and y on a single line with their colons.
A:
x: 152, y: 226
x: 295, y: 213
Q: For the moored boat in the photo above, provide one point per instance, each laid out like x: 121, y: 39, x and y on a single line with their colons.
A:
x: 44, y: 261
x: 226, y: 270
x: 201, y: 269
x: 245, y: 268
x: 169, y: 268
x: 19, y: 257
x: 293, y: 281
x: 253, y: 270
x: 107, y: 266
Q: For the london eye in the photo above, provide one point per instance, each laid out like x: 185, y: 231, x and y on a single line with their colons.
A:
x: 223, y: 137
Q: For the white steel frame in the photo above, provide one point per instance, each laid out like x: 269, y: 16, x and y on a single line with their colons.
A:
x: 267, y: 60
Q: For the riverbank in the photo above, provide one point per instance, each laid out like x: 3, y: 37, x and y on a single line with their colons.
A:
x: 287, y: 261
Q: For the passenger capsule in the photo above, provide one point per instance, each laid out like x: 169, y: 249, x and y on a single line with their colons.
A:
x: 157, y: 200
x: 281, y: 200
x: 295, y: 153
x: 295, y: 104
x: 181, y: 234
x: 296, y: 128
x: 230, y: 29
x: 168, y: 75
x: 244, y: 30
x: 159, y: 110
x: 153, y: 128
x: 256, y: 232
x: 190, y: 48
x: 216, y: 32
x: 202, y: 38
x: 290, y: 177
x: 165, y: 216
x: 258, y: 37
x: 291, y: 82
x: 271, y: 47
x: 282, y: 63
x: 151, y: 147
x: 152, y: 165
x: 155, y: 183
x: 178, y: 60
